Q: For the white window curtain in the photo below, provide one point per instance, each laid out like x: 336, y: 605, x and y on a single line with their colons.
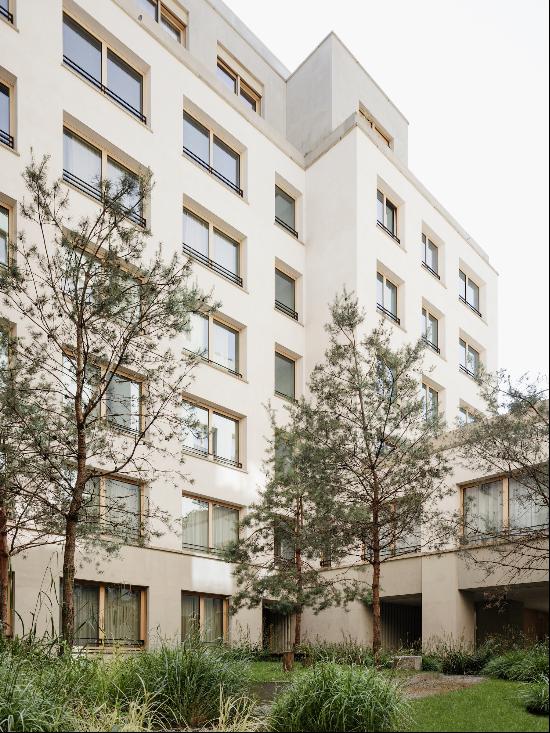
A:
x: 195, y: 437
x: 86, y: 621
x: 122, y: 615
x: 190, y: 616
x: 119, y: 177
x: 528, y: 506
x: 226, y: 252
x: 226, y: 346
x: 213, y: 619
x: 483, y: 509
x: 122, y: 508
x: 225, y: 525
x: 81, y: 159
x: 196, y: 138
x: 195, y: 232
x: 194, y: 520
x: 196, y: 339
x: 123, y: 403
x: 225, y: 437
x: 226, y: 161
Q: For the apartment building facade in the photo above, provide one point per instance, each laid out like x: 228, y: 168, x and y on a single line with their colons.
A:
x: 282, y: 188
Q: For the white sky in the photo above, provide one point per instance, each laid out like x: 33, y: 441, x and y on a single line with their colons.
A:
x: 471, y: 76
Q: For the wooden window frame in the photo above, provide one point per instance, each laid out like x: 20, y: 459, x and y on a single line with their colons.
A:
x: 468, y: 345
x: 212, y: 228
x: 10, y: 84
x: 505, y: 484
x: 211, y: 550
x: 213, y: 320
x: 202, y: 597
x: 426, y: 389
x: 210, y: 455
x: 294, y: 362
x: 101, y: 612
x: 241, y: 85
x: 10, y: 234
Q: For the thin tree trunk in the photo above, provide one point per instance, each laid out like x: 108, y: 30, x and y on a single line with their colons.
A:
x: 67, y: 605
x: 376, y: 625
x: 4, y: 573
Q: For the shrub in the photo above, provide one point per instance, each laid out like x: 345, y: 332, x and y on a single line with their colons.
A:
x: 347, y: 651
x: 452, y: 657
x: 431, y: 663
x: 328, y: 697
x: 521, y: 665
x: 535, y: 697
x: 182, y: 684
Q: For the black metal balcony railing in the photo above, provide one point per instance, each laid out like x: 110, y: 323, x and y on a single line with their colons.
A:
x: 214, y: 456
x: 388, y: 231
x: 473, y: 536
x: 104, y: 89
x: 388, y: 313
x: 6, y: 138
x: 472, y: 307
x: 430, y: 270
x: 5, y: 13
x: 205, y: 358
x: 97, y: 194
x: 286, y: 226
x: 213, y: 171
x: 431, y: 344
x: 467, y: 371
x: 212, y: 264
x: 286, y: 309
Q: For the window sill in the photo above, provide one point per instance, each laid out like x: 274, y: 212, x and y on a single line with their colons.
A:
x: 287, y: 230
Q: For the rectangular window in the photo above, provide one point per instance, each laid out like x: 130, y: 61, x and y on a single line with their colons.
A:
x: 235, y: 84
x: 528, y: 505
x: 122, y: 511
x: 225, y: 438
x: 149, y: 7
x: 221, y: 348
x: 204, y: 615
x: 285, y: 210
x: 285, y: 370
x: 197, y: 337
x: 469, y: 359
x: 468, y: 291
x: 5, y: 10
x: 211, y: 247
x: 208, y: 526
x: 430, y: 398
x: 483, y: 509
x: 91, y: 378
x: 5, y: 116
x: 4, y: 236
x: 386, y: 214
x: 430, y: 256
x: 430, y: 330
x: 126, y: 184
x: 82, y: 163
x: 285, y: 294
x: 205, y: 148
x: 109, y: 615
x: 466, y: 416
x: 85, y: 54
x: 196, y: 437
x: 226, y: 346
x: 386, y: 294
x: 168, y: 22
x: 124, y: 403
x: 283, y: 544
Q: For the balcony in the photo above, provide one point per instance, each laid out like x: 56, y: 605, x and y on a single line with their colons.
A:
x: 286, y: 310
x: 389, y: 232
x: 105, y: 90
x: 286, y: 226
x: 212, y: 265
x: 388, y: 313
x: 213, y: 171
x: 97, y: 194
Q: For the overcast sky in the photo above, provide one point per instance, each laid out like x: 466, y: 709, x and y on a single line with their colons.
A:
x: 471, y: 76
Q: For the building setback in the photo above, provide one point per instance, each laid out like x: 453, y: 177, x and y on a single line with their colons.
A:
x: 283, y: 188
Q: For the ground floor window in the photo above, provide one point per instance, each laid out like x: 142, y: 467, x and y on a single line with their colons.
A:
x: 109, y: 614
x: 206, y: 616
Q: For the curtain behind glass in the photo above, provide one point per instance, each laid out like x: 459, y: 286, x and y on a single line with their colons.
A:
x: 432, y: 259
x: 4, y: 228
x: 82, y: 48
x: 190, y: 618
x: 527, y: 506
x: 284, y: 376
x: 380, y: 289
x: 122, y: 508
x: 226, y: 252
x: 196, y: 438
x: 124, y: 81
x: 224, y: 437
x: 226, y: 162
x: 117, y: 175
x: 462, y: 284
x: 225, y: 346
x: 213, y: 619
x: 122, y: 611
x: 472, y: 294
x: 284, y: 289
x: 86, y: 614
x: 195, y: 232
x: 123, y: 398
x: 197, y: 338
x: 196, y: 138
x: 225, y: 524
x: 194, y: 523
x: 81, y: 159
x: 390, y: 297
x: 285, y: 208
x: 483, y: 509
x: 380, y: 207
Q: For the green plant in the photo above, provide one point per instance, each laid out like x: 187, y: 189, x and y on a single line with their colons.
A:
x: 328, y: 697
x: 521, y: 665
x: 347, y: 651
x: 431, y: 663
x: 535, y: 696
x: 451, y: 657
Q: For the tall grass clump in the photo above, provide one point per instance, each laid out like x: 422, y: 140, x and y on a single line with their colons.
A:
x: 457, y: 657
x: 520, y: 665
x: 347, y: 651
x: 328, y: 697
x: 182, y: 684
x: 535, y: 696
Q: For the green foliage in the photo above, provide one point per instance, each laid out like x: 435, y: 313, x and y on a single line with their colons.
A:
x: 347, y: 651
x: 328, y: 697
x: 535, y: 697
x: 521, y: 665
x: 431, y: 663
